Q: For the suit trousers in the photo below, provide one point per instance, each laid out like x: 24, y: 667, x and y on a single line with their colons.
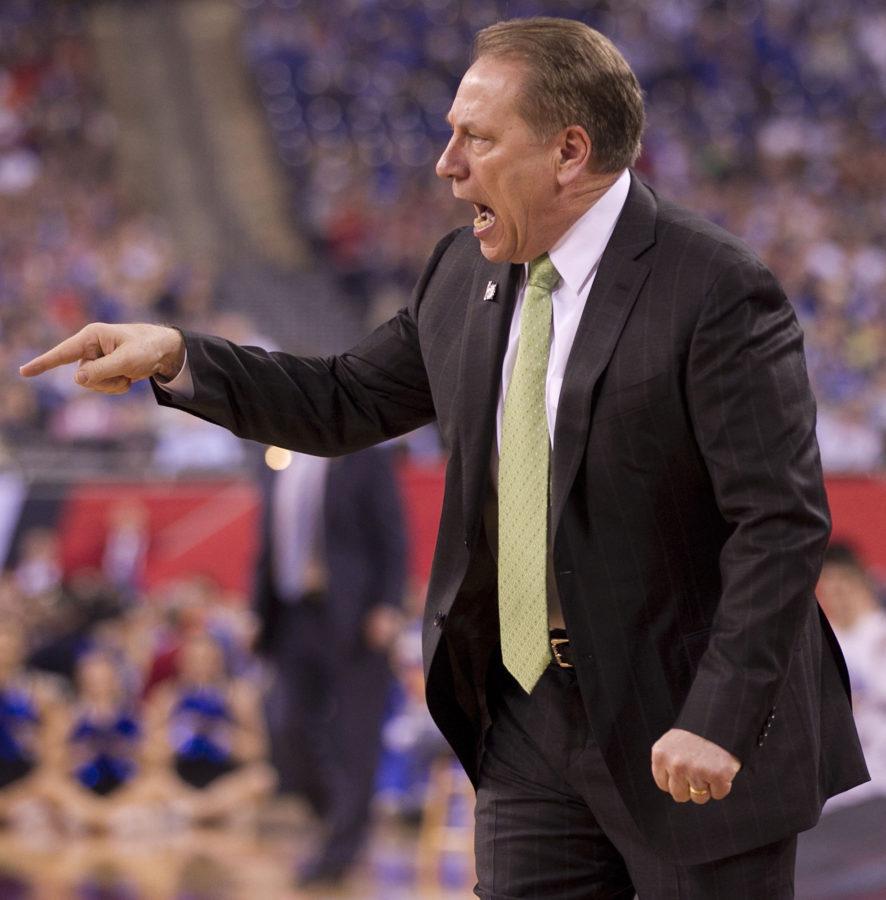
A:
x: 326, y: 712
x: 550, y: 823
x: 299, y: 703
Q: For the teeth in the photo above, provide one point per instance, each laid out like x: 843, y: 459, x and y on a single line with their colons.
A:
x: 484, y: 218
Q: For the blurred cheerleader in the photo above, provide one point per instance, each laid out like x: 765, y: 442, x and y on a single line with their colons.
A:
x: 99, y: 782
x: 29, y: 707
x: 207, y: 736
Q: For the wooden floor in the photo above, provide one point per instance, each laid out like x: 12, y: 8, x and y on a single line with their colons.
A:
x: 254, y: 863
x: 844, y: 858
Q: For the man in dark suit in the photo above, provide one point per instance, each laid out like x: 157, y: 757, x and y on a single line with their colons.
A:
x: 330, y: 580
x: 677, y: 492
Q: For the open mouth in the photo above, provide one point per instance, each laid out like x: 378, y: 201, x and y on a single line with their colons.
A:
x: 484, y: 220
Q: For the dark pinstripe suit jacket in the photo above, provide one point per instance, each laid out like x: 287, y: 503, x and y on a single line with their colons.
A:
x: 687, y: 505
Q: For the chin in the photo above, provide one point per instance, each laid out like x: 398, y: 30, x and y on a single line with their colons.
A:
x: 493, y: 254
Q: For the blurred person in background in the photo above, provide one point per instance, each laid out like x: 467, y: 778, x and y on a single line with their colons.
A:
x: 684, y: 495
x: 186, y: 607
x: 849, y: 599
x: 329, y: 587
x: 30, y: 706
x: 126, y: 546
x: 38, y: 570
x: 207, y: 746
x: 412, y: 742
x: 847, y: 845
x: 66, y: 629
x: 99, y: 781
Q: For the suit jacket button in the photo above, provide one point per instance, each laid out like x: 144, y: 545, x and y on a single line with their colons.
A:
x: 760, y: 740
x: 439, y: 618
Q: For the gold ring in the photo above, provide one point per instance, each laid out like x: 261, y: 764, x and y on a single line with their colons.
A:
x: 698, y: 793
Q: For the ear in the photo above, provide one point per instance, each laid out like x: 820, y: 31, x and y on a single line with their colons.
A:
x: 573, y: 153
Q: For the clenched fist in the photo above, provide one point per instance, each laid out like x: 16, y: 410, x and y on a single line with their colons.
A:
x: 689, y: 767
x: 111, y: 357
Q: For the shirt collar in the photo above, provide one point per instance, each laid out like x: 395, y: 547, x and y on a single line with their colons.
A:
x: 577, y: 254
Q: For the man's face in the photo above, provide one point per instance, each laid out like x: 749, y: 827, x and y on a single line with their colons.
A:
x: 497, y: 162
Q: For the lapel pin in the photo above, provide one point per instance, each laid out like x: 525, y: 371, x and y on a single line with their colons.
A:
x: 491, y: 288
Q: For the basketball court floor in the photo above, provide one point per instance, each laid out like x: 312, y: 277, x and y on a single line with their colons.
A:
x: 248, y: 864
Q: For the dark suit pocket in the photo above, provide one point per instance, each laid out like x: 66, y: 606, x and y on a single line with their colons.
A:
x: 633, y: 397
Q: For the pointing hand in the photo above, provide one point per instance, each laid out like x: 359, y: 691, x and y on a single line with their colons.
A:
x: 111, y: 357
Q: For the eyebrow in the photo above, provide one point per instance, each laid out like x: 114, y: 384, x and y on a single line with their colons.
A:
x: 468, y: 125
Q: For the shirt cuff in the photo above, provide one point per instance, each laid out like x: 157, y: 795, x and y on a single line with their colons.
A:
x: 182, y: 386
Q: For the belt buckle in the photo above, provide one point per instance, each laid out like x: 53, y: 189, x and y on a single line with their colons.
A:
x: 555, y: 649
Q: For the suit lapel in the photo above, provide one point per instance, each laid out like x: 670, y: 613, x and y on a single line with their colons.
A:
x: 483, y: 348
x: 619, y: 279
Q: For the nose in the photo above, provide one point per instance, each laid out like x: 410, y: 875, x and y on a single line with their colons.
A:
x: 451, y: 164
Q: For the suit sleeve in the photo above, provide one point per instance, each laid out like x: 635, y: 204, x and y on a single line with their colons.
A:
x: 754, y: 419
x: 386, y: 531
x: 322, y: 406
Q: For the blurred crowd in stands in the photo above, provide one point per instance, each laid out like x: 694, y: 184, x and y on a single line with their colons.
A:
x: 72, y: 249
x: 768, y: 118
x: 124, y: 712
x: 135, y: 712
x: 129, y: 711
x: 771, y: 122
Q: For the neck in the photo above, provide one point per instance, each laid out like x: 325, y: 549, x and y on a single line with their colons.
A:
x: 582, y: 196
x: 594, y: 186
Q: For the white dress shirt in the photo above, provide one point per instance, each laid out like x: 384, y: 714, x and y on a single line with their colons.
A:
x: 576, y: 256
x: 183, y: 383
x: 297, y: 525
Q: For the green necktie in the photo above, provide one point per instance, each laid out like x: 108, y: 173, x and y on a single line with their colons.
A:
x: 523, y: 478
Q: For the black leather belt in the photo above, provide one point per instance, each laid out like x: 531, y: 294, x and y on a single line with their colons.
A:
x: 560, y: 649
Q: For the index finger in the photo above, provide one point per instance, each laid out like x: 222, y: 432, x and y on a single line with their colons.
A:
x: 68, y: 351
